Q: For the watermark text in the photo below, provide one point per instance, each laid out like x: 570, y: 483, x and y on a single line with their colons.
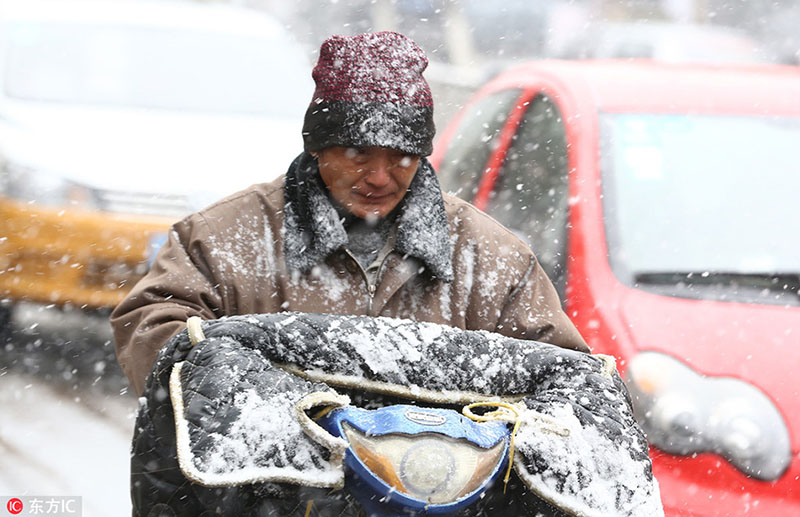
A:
x: 46, y: 506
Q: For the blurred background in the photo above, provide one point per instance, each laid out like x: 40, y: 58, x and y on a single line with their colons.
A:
x: 117, y: 117
x: 469, y: 41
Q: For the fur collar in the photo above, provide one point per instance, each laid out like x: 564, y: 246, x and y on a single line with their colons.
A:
x: 312, y: 228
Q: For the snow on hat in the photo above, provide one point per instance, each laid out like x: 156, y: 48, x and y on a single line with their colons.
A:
x: 370, y: 92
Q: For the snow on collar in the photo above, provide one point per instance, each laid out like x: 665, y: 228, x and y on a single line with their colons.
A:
x: 312, y: 229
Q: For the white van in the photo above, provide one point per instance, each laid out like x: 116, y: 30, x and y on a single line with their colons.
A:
x: 118, y: 117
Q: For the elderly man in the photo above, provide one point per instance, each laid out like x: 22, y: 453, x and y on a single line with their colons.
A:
x: 358, y: 225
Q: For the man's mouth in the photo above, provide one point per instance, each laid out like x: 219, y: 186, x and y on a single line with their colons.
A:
x: 371, y: 197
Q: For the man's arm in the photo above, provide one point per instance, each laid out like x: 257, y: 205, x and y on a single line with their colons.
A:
x: 179, y: 285
x: 533, y: 311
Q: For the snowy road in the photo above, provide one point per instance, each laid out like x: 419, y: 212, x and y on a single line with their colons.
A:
x: 66, y: 417
x: 57, y: 443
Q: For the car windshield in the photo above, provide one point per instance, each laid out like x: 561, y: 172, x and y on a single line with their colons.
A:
x: 703, y: 198
x: 152, y: 68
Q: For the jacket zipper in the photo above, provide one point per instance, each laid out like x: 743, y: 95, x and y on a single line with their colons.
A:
x: 371, y: 288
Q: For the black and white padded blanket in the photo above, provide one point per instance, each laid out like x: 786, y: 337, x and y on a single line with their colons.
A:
x: 227, y: 414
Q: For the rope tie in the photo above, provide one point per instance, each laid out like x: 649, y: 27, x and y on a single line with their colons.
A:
x: 506, y: 412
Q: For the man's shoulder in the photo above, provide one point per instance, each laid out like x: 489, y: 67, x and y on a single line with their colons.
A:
x: 254, y: 202
x: 466, y: 218
x: 461, y: 210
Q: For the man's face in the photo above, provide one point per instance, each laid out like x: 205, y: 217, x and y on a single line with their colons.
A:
x: 368, y: 181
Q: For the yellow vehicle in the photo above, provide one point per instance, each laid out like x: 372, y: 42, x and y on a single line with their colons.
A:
x: 118, y: 118
x: 53, y: 255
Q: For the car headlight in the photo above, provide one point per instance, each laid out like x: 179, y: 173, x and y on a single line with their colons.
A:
x: 683, y: 412
x: 32, y: 185
x: 433, y: 468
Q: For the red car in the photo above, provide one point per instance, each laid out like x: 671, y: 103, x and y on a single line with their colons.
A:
x: 664, y: 202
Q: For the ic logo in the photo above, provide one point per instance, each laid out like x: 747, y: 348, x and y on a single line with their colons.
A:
x: 14, y: 506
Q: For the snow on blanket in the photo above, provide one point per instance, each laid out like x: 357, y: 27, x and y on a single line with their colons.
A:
x: 236, y: 420
x: 578, y: 447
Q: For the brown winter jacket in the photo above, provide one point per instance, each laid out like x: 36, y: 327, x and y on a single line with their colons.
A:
x: 231, y: 258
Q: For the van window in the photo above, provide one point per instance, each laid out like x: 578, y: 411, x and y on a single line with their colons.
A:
x: 468, y: 152
x: 531, y: 193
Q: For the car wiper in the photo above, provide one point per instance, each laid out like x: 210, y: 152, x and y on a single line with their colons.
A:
x: 773, y: 282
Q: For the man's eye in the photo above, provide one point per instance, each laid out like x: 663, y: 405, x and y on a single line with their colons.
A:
x: 403, y: 160
x: 353, y: 153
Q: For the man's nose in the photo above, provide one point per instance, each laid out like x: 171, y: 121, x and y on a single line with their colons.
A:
x: 378, y: 173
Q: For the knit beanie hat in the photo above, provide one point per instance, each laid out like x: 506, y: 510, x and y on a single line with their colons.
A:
x: 370, y: 92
